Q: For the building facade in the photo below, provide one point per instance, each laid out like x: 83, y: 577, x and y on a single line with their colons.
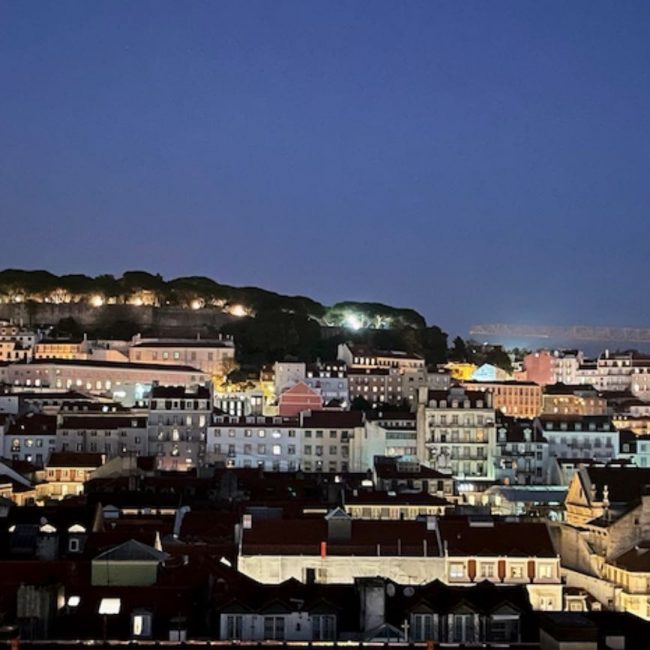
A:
x: 457, y: 434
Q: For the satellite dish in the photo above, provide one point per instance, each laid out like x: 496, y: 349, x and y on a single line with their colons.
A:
x: 409, y: 591
x: 390, y: 589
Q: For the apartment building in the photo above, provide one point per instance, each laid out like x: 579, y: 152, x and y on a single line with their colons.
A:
x: 66, y: 474
x: 339, y: 549
x: 589, y: 436
x: 214, y: 357
x: 363, y: 357
x: 331, y: 381
x: 573, y: 399
x: 521, y: 452
x: 177, y: 425
x: 125, y: 382
x: 30, y: 437
x: 287, y: 374
x: 111, y: 433
x: 503, y: 551
x: 334, y: 441
x: 269, y: 443
x: 16, y: 342
x: 457, y: 434
x: 397, y: 430
x: 521, y: 399
x: 375, y: 385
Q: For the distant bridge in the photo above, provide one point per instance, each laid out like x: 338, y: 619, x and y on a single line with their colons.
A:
x: 570, y: 332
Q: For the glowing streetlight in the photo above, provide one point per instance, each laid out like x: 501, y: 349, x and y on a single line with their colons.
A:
x: 97, y: 301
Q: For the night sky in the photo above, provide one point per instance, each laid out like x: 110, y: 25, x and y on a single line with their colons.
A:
x: 478, y: 161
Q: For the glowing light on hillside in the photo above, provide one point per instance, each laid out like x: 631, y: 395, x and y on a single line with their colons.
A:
x: 97, y: 301
x: 353, y: 322
x: 196, y: 304
x: 238, y: 310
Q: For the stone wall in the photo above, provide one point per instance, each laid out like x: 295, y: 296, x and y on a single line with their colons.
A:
x: 166, y: 321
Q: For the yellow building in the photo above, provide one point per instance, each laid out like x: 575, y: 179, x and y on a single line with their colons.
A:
x: 59, y: 349
x: 461, y: 371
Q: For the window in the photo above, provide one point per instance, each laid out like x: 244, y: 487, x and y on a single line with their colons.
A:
x: 516, y: 571
x: 233, y: 627
x: 487, y: 570
x: 504, y: 628
x: 73, y: 545
x: 274, y: 628
x: 323, y: 627
x: 456, y: 570
x: 277, y: 450
x: 141, y: 624
x: 463, y: 628
x: 545, y: 571
x: 422, y: 628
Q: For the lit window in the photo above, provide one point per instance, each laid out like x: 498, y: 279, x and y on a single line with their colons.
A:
x: 456, y: 570
x: 110, y: 606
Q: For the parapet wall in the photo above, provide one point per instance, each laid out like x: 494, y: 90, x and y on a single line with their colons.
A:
x: 159, y: 320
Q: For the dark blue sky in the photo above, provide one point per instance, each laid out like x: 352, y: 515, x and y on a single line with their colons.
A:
x: 479, y: 161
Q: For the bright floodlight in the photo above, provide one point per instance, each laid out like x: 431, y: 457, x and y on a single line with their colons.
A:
x: 238, y: 310
x: 97, y: 301
x: 110, y: 606
x: 74, y: 601
x: 353, y: 322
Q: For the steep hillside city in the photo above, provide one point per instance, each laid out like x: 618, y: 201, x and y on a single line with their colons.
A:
x: 166, y: 488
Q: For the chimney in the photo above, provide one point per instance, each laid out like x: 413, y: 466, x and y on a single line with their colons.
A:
x: 372, y: 594
x: 339, y: 526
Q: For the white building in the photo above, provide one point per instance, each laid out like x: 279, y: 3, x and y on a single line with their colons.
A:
x: 110, y: 433
x: 331, y: 381
x: 287, y: 374
x: 397, y: 432
x: 31, y: 437
x: 214, y: 357
x: 125, y: 382
x: 177, y: 425
x: 456, y: 432
x: 588, y: 436
x: 270, y: 443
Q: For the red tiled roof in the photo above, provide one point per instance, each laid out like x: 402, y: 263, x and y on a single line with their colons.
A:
x: 74, y: 459
x: 464, y: 537
x: 368, y: 537
x: 332, y: 419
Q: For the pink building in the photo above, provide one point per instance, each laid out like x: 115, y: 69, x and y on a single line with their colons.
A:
x: 297, y: 399
x: 540, y: 367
